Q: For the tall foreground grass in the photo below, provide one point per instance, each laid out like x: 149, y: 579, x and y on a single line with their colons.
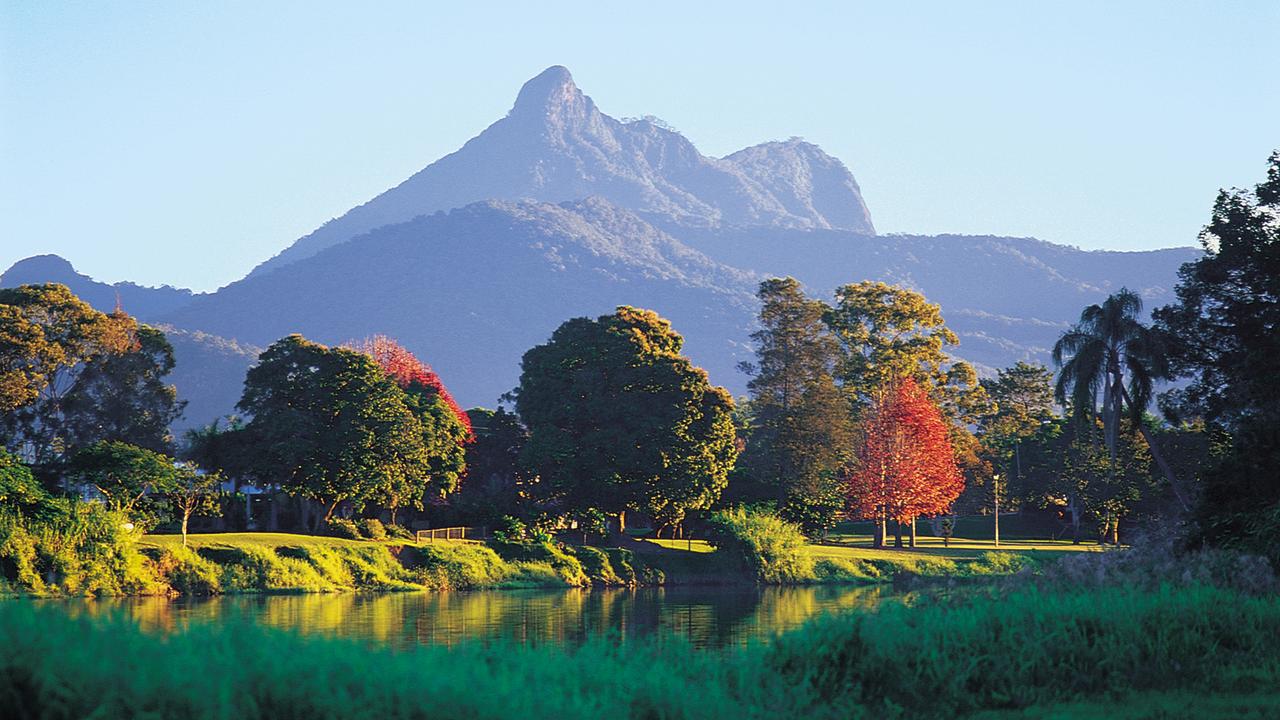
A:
x: 1025, y: 649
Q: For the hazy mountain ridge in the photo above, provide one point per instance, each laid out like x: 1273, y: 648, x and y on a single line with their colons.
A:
x: 466, y: 270
x: 556, y: 145
x: 470, y: 290
x: 138, y: 300
x: 208, y: 370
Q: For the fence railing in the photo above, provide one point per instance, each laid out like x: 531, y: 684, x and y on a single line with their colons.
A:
x: 452, y: 533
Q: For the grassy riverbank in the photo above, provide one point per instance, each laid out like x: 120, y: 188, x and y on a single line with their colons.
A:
x: 1121, y: 652
x: 219, y: 563
x: 246, y: 562
x: 282, y: 562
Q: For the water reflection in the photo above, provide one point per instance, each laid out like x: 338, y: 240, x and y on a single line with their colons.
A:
x: 706, y: 616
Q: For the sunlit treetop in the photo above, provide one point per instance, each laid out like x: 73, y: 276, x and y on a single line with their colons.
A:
x: 406, y: 369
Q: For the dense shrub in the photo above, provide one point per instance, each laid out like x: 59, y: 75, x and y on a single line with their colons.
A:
x: 344, y: 528
x: 372, y: 528
x: 66, y: 547
x: 399, y: 532
x: 759, y: 541
x: 558, y: 557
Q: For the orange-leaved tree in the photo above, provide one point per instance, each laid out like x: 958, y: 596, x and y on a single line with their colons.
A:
x: 905, y: 464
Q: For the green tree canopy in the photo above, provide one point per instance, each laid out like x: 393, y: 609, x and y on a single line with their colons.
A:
x: 1224, y: 334
x: 1023, y: 401
x: 887, y: 332
x: 122, y: 473
x: 123, y: 396
x: 1111, y: 354
x: 329, y: 425
x: 801, y: 432
x: 18, y: 487
x: 619, y: 420
x: 1067, y: 466
x: 496, y: 483
x: 47, y: 334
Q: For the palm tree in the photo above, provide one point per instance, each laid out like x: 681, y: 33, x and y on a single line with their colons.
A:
x: 1107, y: 346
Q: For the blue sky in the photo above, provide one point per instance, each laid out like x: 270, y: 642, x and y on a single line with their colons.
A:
x: 183, y: 143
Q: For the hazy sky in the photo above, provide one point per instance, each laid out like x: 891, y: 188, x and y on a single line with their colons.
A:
x: 180, y: 143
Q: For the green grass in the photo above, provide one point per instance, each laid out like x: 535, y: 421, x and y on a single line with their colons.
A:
x: 215, y: 563
x: 855, y: 560
x: 1112, y: 652
x: 1174, y: 705
x: 265, y: 540
x: 281, y: 562
x: 1025, y: 526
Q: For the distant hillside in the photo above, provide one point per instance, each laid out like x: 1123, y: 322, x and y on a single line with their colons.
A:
x: 470, y: 290
x: 209, y: 374
x: 1007, y: 298
x: 555, y: 145
x: 137, y: 300
x: 208, y: 370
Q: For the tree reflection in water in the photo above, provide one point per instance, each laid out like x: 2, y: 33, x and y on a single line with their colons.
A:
x: 705, y: 616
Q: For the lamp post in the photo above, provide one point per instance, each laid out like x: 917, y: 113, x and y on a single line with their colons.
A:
x: 995, y: 492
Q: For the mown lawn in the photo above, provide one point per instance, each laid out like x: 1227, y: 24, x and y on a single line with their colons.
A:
x: 264, y: 540
x: 859, y: 548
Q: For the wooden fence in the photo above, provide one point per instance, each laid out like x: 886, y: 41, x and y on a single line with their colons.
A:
x: 453, y: 533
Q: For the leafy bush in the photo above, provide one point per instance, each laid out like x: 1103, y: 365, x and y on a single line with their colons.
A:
x: 762, y: 543
x: 372, y: 528
x: 565, y: 564
x: 344, y: 528
x: 187, y: 572
x: 845, y: 570
x: 399, y: 532
x: 66, y: 547
x: 515, y: 530
x: 614, y: 566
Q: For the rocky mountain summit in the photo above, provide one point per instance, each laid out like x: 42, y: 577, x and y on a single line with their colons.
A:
x: 556, y: 145
x: 558, y: 211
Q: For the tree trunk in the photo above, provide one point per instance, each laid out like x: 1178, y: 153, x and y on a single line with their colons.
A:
x: 393, y: 514
x: 880, y: 531
x: 897, y: 539
x: 186, y: 515
x: 913, y: 532
x: 1108, y: 388
x: 273, y: 519
x: 622, y: 522
x: 1164, y: 467
x: 1115, y: 530
x: 1075, y: 521
x: 329, y: 512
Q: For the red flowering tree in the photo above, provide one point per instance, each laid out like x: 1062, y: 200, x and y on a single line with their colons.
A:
x: 906, y: 467
x: 406, y: 369
x: 446, y: 428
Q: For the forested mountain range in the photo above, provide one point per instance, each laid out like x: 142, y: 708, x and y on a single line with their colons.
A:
x: 558, y: 210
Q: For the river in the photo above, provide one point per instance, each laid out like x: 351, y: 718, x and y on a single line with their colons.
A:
x: 706, y: 616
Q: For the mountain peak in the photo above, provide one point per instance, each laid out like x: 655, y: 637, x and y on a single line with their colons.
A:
x: 549, y: 92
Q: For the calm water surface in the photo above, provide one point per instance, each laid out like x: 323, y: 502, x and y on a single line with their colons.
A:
x: 706, y: 616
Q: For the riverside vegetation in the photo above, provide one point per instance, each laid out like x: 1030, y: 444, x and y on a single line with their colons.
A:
x: 95, y: 555
x: 1129, y: 652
